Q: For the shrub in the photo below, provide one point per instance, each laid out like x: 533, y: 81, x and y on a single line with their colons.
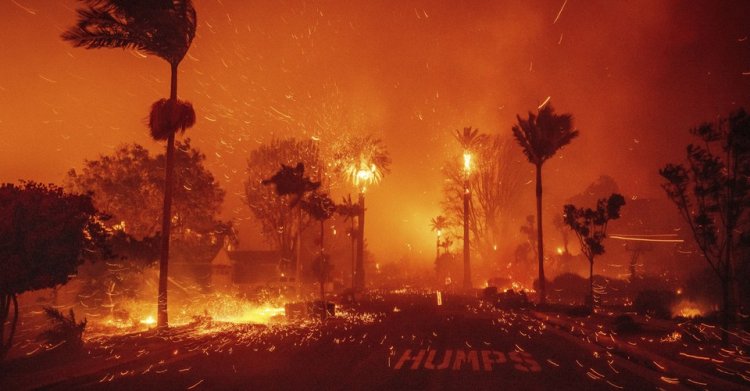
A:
x: 64, y: 329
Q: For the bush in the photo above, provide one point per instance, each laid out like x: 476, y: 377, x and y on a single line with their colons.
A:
x: 64, y: 329
x: 656, y: 303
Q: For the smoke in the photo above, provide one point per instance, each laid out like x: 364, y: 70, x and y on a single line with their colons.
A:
x: 634, y: 74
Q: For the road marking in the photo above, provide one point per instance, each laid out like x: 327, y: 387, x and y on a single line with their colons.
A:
x: 459, y: 359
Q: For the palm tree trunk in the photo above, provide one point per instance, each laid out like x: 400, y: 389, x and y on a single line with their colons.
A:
x: 437, y: 250
x: 360, y: 273
x: 591, y: 283
x: 166, y: 220
x: 323, y: 269
x: 540, y: 235
x: 298, y: 251
x: 467, y: 242
x: 354, y: 252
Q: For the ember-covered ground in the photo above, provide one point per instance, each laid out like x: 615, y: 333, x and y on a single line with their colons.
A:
x: 370, y: 345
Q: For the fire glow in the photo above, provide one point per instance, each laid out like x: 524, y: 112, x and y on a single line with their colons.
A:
x: 688, y: 309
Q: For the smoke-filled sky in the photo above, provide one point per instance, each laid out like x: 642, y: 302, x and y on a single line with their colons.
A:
x: 634, y: 74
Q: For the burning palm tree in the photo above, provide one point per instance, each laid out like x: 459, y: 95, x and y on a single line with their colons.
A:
x: 470, y: 139
x: 364, y: 160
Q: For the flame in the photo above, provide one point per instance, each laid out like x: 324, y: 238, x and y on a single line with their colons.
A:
x: 363, y: 175
x: 467, y: 161
x: 688, y: 309
x: 149, y: 321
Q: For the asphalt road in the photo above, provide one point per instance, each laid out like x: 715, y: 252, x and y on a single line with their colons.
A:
x: 404, y: 342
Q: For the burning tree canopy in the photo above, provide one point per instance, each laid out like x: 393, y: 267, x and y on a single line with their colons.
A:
x: 363, y: 159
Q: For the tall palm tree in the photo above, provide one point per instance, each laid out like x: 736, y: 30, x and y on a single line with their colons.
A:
x: 438, y: 225
x: 470, y: 139
x: 163, y: 28
x: 364, y: 160
x: 540, y: 137
x: 350, y: 210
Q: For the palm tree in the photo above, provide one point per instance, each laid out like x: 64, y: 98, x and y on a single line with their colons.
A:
x: 320, y: 207
x: 364, y: 160
x: 540, y: 137
x: 470, y: 139
x: 438, y: 225
x: 164, y: 28
x: 350, y: 210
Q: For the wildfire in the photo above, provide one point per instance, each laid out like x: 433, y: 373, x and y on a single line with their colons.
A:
x: 148, y: 321
x: 687, y: 309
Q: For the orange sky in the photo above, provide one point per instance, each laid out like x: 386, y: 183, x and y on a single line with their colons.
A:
x: 635, y: 75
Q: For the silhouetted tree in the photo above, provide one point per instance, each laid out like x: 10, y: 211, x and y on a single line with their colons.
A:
x: 44, y: 236
x: 163, y: 28
x: 292, y: 182
x: 712, y: 194
x: 470, y: 140
x: 590, y: 226
x: 364, y: 160
x: 349, y: 210
x: 275, y: 214
x: 540, y: 137
x: 320, y: 207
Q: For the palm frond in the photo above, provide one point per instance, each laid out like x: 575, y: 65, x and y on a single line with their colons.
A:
x: 164, y: 28
x: 168, y: 116
x: 542, y: 135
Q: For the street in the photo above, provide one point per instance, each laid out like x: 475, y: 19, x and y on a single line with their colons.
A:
x: 398, y: 341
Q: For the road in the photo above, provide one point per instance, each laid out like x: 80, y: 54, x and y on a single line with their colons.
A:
x: 394, y: 341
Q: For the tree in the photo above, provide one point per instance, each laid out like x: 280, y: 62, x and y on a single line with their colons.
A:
x: 275, y: 214
x: 494, y: 190
x: 540, y: 137
x: 470, y: 139
x: 128, y: 185
x: 712, y: 195
x: 320, y: 207
x: 438, y: 225
x: 590, y: 226
x: 291, y: 181
x: 163, y: 28
x: 349, y: 210
x: 364, y: 160
x: 44, y: 236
